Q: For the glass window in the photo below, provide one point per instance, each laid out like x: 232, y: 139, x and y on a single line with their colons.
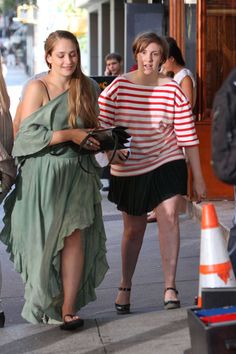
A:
x: 190, y: 34
x: 220, y: 44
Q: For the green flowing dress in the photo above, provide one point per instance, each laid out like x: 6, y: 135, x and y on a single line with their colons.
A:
x: 53, y: 197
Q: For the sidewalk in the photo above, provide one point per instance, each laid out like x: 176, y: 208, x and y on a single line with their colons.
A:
x: 149, y: 329
x: 155, y: 332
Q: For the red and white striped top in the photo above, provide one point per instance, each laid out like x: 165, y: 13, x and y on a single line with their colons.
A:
x: 159, y: 119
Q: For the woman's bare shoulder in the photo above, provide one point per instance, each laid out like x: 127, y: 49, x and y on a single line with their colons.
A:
x: 32, y: 99
x: 187, y: 80
x: 35, y: 90
x: 35, y: 84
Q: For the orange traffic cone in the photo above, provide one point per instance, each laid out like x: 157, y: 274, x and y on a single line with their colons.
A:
x: 215, y: 269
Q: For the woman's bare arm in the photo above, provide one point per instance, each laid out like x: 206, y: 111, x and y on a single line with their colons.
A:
x: 199, y: 186
x: 187, y: 87
x: 17, y: 119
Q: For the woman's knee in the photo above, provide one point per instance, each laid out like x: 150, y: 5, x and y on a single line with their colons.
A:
x: 73, y: 239
x: 172, y: 217
x: 168, y: 217
x: 133, y: 234
x: 134, y: 226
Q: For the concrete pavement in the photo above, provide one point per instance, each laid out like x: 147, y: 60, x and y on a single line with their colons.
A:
x: 148, y: 329
x: 146, y: 333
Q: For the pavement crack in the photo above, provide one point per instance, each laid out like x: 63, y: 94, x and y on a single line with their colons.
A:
x: 147, y: 336
x: 100, y: 337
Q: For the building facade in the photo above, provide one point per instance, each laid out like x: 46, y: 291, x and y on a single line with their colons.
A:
x: 205, y: 30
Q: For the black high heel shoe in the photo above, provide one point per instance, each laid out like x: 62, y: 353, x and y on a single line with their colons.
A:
x: 123, y: 309
x: 171, y: 304
x: 2, y: 319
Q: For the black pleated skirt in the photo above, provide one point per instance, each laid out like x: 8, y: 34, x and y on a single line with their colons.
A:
x: 137, y: 195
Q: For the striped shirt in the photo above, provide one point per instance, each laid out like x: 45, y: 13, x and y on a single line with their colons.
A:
x: 159, y: 119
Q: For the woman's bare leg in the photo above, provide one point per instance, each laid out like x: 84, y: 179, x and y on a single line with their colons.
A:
x: 134, y: 228
x: 72, y: 262
x: 169, y: 239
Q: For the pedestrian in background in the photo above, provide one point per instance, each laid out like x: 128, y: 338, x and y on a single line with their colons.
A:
x: 113, y: 62
x: 11, y: 57
x: 7, y: 167
x: 160, y: 121
x: 174, y: 66
x: 53, y: 219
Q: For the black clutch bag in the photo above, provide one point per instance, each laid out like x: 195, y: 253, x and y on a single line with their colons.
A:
x: 111, y: 139
x: 114, y: 138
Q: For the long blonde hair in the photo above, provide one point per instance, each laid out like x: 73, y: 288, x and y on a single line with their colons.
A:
x: 4, y: 98
x: 82, y: 97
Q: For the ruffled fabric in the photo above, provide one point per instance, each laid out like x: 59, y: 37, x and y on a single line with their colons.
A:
x: 53, y: 197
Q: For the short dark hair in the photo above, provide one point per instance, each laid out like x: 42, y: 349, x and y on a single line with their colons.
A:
x: 142, y: 40
x: 115, y: 56
x: 174, y: 51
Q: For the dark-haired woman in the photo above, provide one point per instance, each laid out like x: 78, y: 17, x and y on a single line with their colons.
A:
x: 175, y: 63
x: 53, y: 223
x: 160, y: 121
x: 174, y: 66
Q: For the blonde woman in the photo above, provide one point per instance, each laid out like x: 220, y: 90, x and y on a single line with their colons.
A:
x: 53, y: 223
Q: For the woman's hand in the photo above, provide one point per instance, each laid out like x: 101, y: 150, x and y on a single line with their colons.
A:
x: 77, y: 136
x: 80, y: 136
x: 199, y: 189
x: 120, y: 156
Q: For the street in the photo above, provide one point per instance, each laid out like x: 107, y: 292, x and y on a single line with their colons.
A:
x: 148, y: 329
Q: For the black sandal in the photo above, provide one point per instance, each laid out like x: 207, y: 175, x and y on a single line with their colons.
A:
x: 123, y: 309
x: 2, y: 319
x: 171, y: 304
x: 73, y: 324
